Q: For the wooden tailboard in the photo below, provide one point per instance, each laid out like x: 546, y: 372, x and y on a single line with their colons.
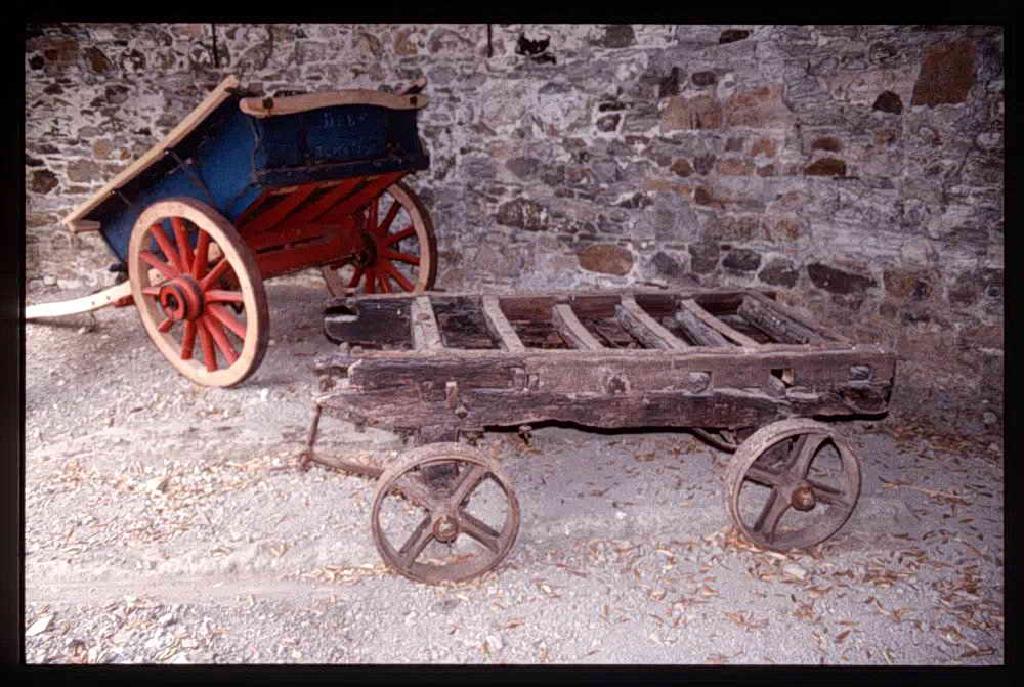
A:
x: 608, y: 359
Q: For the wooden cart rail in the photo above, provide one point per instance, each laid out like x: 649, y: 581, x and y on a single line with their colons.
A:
x: 700, y: 358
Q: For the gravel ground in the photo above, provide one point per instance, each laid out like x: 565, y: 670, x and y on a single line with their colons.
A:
x: 166, y: 523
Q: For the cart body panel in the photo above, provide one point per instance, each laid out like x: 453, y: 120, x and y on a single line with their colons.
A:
x: 228, y: 159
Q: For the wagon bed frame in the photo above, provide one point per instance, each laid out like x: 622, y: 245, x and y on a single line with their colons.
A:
x: 396, y: 370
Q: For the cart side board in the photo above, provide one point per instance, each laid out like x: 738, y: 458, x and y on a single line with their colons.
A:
x: 725, y: 381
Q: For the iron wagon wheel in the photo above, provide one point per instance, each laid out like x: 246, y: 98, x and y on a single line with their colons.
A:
x: 448, y: 490
x: 194, y: 281
x: 792, y: 484
x: 400, y: 249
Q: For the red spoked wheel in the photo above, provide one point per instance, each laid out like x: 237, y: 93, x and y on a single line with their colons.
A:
x: 399, y: 251
x: 198, y: 291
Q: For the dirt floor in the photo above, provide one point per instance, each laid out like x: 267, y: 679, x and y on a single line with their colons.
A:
x: 166, y: 522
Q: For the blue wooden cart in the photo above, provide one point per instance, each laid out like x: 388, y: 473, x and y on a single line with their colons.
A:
x: 246, y: 188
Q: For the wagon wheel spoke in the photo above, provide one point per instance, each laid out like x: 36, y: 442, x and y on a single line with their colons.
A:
x: 398, y: 277
x: 768, y: 520
x: 371, y: 216
x: 480, y: 531
x: 402, y: 257
x: 202, y: 256
x: 206, y: 344
x: 371, y: 281
x: 188, y: 340
x: 181, y: 237
x: 466, y: 484
x: 223, y: 296
x: 417, y: 541
x: 165, y: 247
x: 389, y: 217
x: 399, y: 236
x: 412, y: 487
x: 159, y: 264
x: 383, y: 279
x: 166, y: 325
x: 828, y: 494
x: 220, y: 338
x: 230, y: 322
x: 219, y: 270
x: 804, y: 451
x: 765, y: 477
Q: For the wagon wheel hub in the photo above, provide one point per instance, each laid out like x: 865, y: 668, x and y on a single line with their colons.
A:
x: 446, y: 529
x: 802, y: 497
x: 367, y: 255
x: 182, y: 298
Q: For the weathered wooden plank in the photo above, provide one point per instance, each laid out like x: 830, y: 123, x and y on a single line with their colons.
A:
x: 372, y: 324
x: 698, y: 330
x: 499, y: 325
x: 598, y: 372
x: 425, y: 334
x: 570, y: 327
x: 644, y: 327
x: 482, y: 408
x: 261, y: 106
x: 788, y: 312
x: 777, y: 324
x: 716, y: 324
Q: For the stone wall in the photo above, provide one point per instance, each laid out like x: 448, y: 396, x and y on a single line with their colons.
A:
x: 858, y: 170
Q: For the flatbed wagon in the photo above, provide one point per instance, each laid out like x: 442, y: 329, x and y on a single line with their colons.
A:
x: 247, y: 188
x: 736, y: 367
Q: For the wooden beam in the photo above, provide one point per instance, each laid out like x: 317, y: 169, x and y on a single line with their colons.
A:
x: 262, y: 107
x: 698, y: 331
x: 499, y: 325
x: 79, y: 305
x: 572, y: 330
x: 795, y: 320
x: 780, y: 326
x: 716, y: 324
x: 425, y: 333
x: 637, y: 322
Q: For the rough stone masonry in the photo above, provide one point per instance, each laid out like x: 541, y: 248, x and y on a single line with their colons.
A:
x: 858, y: 170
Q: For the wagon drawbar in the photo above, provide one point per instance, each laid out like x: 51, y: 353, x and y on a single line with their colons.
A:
x: 734, y: 366
x: 247, y: 188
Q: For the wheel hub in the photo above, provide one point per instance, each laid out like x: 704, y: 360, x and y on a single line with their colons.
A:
x: 366, y: 256
x: 802, y: 498
x: 446, y: 529
x: 182, y: 298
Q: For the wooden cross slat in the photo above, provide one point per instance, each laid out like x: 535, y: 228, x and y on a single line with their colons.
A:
x: 716, y: 324
x: 572, y: 330
x: 499, y: 325
x: 425, y: 333
x: 637, y: 322
x: 788, y: 318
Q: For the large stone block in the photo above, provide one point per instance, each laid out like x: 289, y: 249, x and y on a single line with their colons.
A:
x: 760, y: 107
x: 838, y: 281
x: 697, y: 112
x: 947, y: 74
x: 607, y: 258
